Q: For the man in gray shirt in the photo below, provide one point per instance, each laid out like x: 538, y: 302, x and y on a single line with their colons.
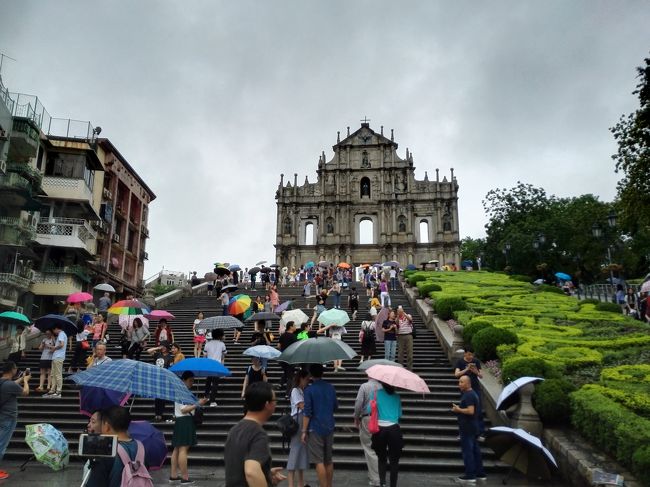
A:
x: 366, y: 393
x: 104, y: 303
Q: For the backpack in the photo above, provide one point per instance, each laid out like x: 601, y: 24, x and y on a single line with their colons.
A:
x: 134, y: 474
x: 288, y: 427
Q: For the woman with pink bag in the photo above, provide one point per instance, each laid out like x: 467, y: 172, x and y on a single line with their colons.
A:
x: 388, y: 441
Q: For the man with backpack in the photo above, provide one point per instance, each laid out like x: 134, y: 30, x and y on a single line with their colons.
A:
x: 127, y: 469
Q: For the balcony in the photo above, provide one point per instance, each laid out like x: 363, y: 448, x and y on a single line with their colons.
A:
x: 28, y: 172
x: 66, y: 232
x: 25, y: 139
x: 15, y: 231
x: 14, y: 280
x: 14, y: 182
x: 67, y: 189
x: 11, y: 286
x: 59, y: 281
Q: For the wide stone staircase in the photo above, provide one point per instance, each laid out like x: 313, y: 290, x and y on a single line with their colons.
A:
x: 430, y: 429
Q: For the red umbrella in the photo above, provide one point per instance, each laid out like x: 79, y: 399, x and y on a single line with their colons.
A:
x: 79, y: 297
x: 158, y: 314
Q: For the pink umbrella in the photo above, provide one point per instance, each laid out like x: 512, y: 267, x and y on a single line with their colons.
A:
x: 79, y: 297
x: 158, y: 314
x: 398, y: 377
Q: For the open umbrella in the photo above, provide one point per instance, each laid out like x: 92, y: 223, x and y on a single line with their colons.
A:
x: 79, y: 297
x: 159, y: 314
x: 309, y: 264
x: 104, y: 287
x: 220, y: 323
x: 510, y: 393
x: 324, y: 264
x: 238, y: 304
x: 366, y: 364
x: 263, y: 316
x: 411, y: 267
x: 434, y: 261
x: 262, y: 351
x: 265, y: 270
x: 202, y: 367
x: 153, y: 440
x: 282, y: 307
x: 274, y: 266
x: 254, y: 270
x: 344, y: 265
x: 260, y: 262
x: 234, y: 268
x: 210, y: 276
x: 129, y: 307
x: 298, y: 316
x: 398, y: 377
x: 334, y: 317
x: 93, y: 399
x: 48, y: 444
x: 138, y: 378
x: 316, y: 351
x: 221, y: 271
x: 48, y: 322
x: 521, y: 450
x: 15, y: 318
x: 645, y: 287
x: 391, y: 263
x: 230, y: 288
x: 563, y: 276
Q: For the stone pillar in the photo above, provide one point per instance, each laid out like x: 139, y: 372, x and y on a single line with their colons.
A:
x: 525, y: 416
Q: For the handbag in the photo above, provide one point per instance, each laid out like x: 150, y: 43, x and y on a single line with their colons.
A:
x: 85, y: 345
x: 373, y: 423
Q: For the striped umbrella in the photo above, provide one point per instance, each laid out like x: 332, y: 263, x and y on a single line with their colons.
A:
x: 238, y: 304
x: 129, y: 307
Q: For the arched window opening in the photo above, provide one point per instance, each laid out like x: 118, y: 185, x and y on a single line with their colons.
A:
x: 424, y: 231
x: 364, y: 187
x: 309, y: 234
x: 366, y: 231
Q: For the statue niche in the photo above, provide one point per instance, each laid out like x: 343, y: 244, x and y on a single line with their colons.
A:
x: 329, y: 225
x: 365, y: 187
x: 365, y: 164
x: 401, y: 224
x: 287, y: 225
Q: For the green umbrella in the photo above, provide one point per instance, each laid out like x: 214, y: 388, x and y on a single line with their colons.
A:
x: 333, y: 317
x: 15, y: 318
x: 48, y: 444
x: 316, y: 351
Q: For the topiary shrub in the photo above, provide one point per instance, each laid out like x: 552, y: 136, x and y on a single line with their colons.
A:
x: 551, y: 400
x: 610, y: 307
x: 589, y: 301
x: 415, y: 278
x: 549, y: 289
x: 472, y: 329
x: 486, y: 341
x: 445, y: 307
x: 526, y: 367
x: 520, y: 278
x: 427, y: 287
x: 641, y: 463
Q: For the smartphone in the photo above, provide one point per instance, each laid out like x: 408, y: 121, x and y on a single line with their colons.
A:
x: 93, y: 445
x: 28, y: 371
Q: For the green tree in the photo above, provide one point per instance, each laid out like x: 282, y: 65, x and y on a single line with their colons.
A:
x: 632, y: 133
x: 471, y: 248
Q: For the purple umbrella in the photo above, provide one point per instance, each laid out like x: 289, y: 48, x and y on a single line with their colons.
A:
x: 155, y: 448
x: 281, y: 307
x: 92, y: 399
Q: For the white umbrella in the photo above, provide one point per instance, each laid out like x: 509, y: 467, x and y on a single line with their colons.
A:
x: 104, y: 287
x: 508, y: 395
x: 298, y: 316
x: 645, y: 287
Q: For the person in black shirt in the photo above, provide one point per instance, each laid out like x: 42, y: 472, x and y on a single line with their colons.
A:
x: 164, y: 359
x: 353, y: 302
x: 471, y: 367
x: 467, y: 412
x: 287, y: 338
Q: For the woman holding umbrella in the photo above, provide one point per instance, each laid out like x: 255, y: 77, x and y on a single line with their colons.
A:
x: 184, y: 436
x: 388, y: 442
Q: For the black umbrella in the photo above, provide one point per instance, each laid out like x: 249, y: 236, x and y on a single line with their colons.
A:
x: 229, y: 288
x: 266, y: 270
x: 254, y: 270
x: 274, y: 265
x: 222, y: 271
x: 48, y: 322
x: 220, y: 323
x: 264, y: 316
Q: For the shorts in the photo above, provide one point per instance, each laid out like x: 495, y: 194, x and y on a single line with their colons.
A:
x: 199, y: 339
x: 45, y: 364
x: 320, y: 448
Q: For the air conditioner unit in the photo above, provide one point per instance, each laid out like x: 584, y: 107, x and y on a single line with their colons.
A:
x: 3, y: 166
x: 116, y: 238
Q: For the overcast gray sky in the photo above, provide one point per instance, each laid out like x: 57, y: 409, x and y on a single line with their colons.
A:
x: 211, y: 100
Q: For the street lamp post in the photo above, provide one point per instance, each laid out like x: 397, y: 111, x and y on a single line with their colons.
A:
x: 506, y: 251
x: 598, y: 232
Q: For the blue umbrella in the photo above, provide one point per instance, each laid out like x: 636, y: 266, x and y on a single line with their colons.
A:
x: 202, y: 367
x: 234, y: 267
x: 262, y: 351
x: 391, y: 263
x: 93, y: 399
x: 48, y: 322
x: 153, y: 440
x: 282, y: 307
x: 137, y: 378
x: 411, y: 267
x: 562, y: 276
x: 309, y: 265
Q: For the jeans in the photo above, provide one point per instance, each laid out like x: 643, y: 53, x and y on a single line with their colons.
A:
x: 393, y: 284
x: 7, y: 427
x: 471, y: 455
x: 384, y: 296
x: 225, y: 310
x: 388, y: 444
x: 337, y: 300
x: 389, y: 349
x: 211, y: 387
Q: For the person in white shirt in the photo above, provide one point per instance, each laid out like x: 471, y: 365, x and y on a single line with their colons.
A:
x: 215, y: 349
x: 393, y: 279
x: 100, y: 356
x: 57, y: 362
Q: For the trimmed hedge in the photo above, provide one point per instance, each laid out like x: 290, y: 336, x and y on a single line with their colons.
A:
x: 551, y: 400
x: 549, y: 289
x: 445, y: 307
x: 520, y: 278
x: 486, y: 341
x: 614, y: 429
x: 472, y: 329
x: 610, y: 307
x: 427, y: 287
x: 526, y: 367
x: 415, y: 278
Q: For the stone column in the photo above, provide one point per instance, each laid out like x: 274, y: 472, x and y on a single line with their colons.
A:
x: 525, y: 416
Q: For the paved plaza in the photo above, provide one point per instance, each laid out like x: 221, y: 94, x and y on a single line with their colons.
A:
x: 40, y: 475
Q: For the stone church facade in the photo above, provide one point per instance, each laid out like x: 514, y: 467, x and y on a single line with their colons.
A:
x: 367, y: 185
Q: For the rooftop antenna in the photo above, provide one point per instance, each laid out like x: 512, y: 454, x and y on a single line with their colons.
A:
x: 2, y: 58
